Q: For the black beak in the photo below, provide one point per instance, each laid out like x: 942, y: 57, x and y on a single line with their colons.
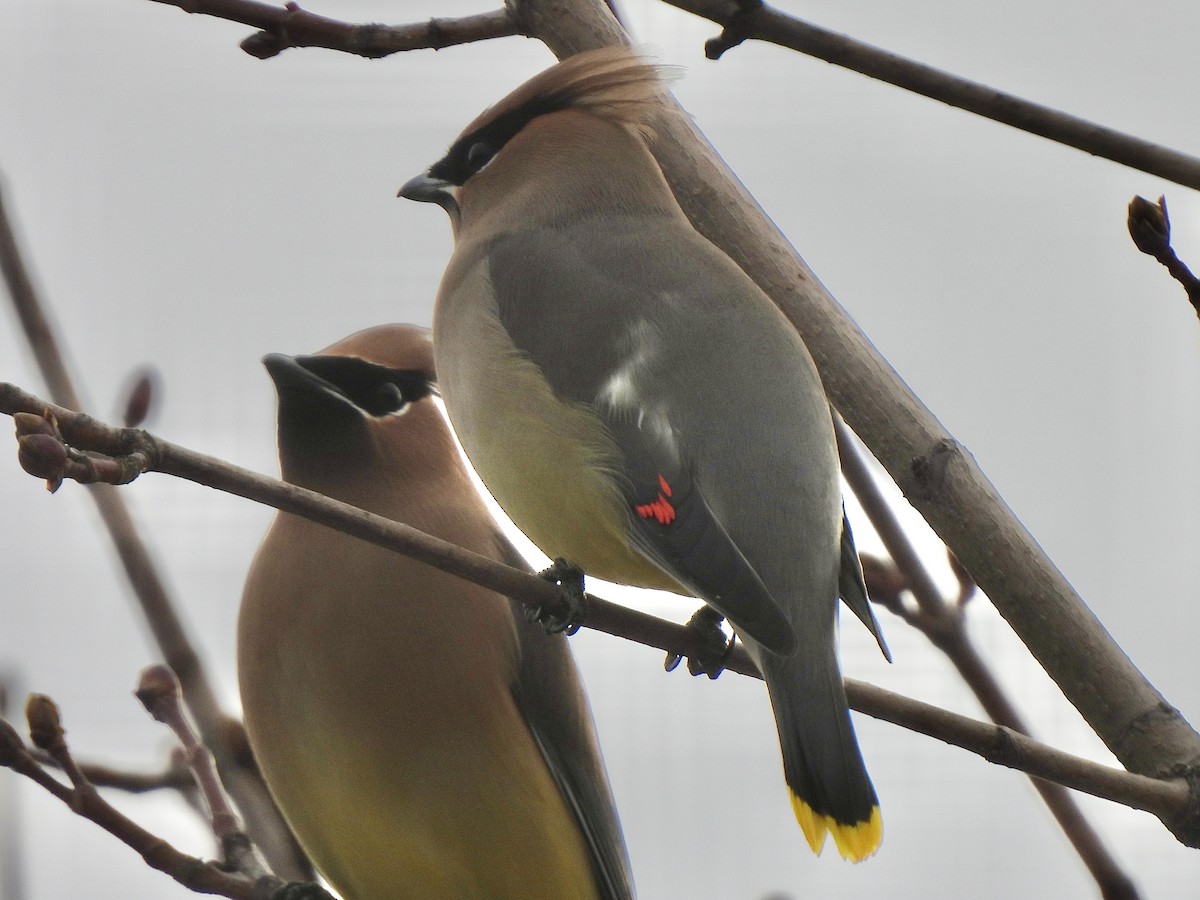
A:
x: 427, y: 188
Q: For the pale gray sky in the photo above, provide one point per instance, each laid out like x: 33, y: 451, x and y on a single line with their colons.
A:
x: 190, y: 207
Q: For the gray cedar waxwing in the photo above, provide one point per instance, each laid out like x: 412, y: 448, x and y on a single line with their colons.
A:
x: 640, y: 408
x: 422, y: 739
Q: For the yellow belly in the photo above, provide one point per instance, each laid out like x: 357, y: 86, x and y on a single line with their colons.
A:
x: 401, y: 762
x: 550, y: 465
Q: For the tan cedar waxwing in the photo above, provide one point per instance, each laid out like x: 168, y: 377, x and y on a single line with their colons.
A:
x: 640, y: 408
x: 422, y: 739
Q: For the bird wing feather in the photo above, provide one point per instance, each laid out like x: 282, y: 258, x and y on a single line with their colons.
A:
x: 590, y: 353
x: 551, y: 700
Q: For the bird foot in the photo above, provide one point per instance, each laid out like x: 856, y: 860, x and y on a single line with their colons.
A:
x: 710, y: 661
x: 569, y: 579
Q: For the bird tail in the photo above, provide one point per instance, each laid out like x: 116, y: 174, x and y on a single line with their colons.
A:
x: 830, y: 790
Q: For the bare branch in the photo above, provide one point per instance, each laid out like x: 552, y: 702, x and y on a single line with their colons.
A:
x: 290, y: 26
x: 944, y: 623
x: 82, y: 797
x: 1150, y: 228
x: 159, y: 691
x: 148, y: 587
x: 1003, y: 746
x: 755, y: 20
x: 1166, y: 799
x: 175, y: 776
x: 937, y: 474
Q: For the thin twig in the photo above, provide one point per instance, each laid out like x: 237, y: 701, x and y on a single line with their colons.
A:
x: 1150, y: 228
x: 944, y: 624
x: 159, y: 691
x: 148, y: 587
x: 82, y: 797
x: 290, y: 26
x: 175, y: 777
x: 1167, y: 799
x: 756, y: 21
x: 12, y: 857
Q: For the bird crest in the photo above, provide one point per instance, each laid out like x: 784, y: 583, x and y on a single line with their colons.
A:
x: 614, y: 83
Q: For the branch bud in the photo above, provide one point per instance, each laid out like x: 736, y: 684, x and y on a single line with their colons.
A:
x: 43, y: 456
x: 139, y: 397
x: 40, y: 448
x: 157, y: 689
x: 45, y: 723
x: 1150, y: 226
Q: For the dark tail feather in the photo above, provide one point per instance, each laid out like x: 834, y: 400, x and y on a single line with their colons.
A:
x: 830, y: 789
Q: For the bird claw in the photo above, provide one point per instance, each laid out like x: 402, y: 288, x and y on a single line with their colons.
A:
x: 711, y: 659
x: 569, y: 579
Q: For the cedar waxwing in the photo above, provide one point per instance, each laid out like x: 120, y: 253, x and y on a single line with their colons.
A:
x: 640, y: 408
x: 422, y: 739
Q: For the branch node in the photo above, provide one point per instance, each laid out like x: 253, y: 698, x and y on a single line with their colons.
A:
x: 263, y: 45
x: 1186, y: 825
x: 435, y: 34
x: 1150, y: 227
x: 1004, y: 750
x: 738, y: 27
x: 929, y: 472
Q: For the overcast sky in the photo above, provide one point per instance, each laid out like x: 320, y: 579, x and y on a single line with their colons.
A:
x: 189, y: 207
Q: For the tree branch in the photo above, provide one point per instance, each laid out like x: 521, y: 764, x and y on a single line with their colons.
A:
x: 742, y: 21
x: 290, y: 26
x: 1150, y: 228
x: 176, y: 776
x: 944, y: 623
x: 81, y: 796
x: 148, y: 587
x: 1167, y: 799
x: 159, y: 692
x: 937, y: 474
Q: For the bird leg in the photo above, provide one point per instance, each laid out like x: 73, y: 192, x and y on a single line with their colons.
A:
x: 716, y: 648
x: 569, y: 579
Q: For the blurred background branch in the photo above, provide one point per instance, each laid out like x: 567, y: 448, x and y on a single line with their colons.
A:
x: 165, y: 625
x: 240, y: 875
x: 944, y: 622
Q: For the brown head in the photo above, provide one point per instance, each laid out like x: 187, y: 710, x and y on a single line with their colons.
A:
x: 357, y: 420
x: 550, y: 148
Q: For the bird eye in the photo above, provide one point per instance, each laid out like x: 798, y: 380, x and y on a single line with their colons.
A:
x: 479, y: 155
x: 385, y: 398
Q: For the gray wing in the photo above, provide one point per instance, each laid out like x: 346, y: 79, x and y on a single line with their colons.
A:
x: 675, y: 528
x: 617, y: 290
x: 551, y: 699
x: 853, y: 588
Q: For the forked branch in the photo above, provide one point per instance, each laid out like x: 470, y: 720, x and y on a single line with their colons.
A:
x: 287, y: 26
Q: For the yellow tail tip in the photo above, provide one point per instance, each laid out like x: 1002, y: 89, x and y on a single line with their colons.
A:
x: 855, y: 842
